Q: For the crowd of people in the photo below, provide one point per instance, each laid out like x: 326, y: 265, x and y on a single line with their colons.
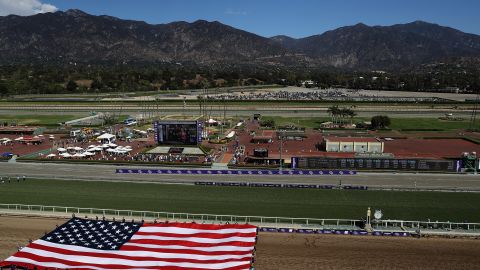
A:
x: 317, y: 95
x: 172, y: 158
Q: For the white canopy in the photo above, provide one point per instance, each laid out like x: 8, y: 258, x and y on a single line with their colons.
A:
x: 239, y: 124
x: 51, y: 155
x: 212, y: 121
x: 19, y: 139
x: 230, y: 135
x: 65, y: 155
x: 96, y: 149
x: 61, y: 149
x: 76, y: 148
x: 79, y: 155
x: 106, y: 136
x: 112, y: 145
x: 89, y: 154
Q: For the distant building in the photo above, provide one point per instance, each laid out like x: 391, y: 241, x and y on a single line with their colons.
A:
x: 353, y: 145
x: 308, y: 83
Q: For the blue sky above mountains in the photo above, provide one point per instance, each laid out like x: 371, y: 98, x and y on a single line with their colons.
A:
x: 270, y: 17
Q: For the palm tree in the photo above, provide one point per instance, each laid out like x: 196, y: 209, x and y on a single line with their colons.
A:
x: 333, y: 111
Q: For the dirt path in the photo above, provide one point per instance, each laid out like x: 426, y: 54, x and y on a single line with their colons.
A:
x: 296, y: 251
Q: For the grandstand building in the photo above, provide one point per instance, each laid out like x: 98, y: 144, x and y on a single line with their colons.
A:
x: 353, y: 145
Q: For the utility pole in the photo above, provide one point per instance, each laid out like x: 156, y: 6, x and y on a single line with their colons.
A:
x: 281, y: 149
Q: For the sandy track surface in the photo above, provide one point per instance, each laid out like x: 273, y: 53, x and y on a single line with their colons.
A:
x: 297, y: 251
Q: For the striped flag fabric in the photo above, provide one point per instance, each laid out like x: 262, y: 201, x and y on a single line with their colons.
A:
x: 99, y: 244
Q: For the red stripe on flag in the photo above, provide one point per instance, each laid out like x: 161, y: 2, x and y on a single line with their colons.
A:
x: 200, y: 235
x: 190, y: 243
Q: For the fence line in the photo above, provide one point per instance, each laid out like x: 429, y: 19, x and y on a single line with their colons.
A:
x: 275, y: 222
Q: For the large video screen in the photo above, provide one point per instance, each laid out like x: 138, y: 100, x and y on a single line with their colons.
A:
x: 178, y: 132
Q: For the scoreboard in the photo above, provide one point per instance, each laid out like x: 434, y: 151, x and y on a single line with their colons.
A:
x: 178, y: 132
x: 376, y: 164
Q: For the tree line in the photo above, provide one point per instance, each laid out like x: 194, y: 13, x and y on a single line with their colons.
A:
x: 66, y: 79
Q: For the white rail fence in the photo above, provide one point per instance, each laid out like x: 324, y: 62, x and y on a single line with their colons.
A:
x: 274, y: 222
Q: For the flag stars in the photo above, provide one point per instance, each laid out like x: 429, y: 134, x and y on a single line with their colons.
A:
x: 106, y: 235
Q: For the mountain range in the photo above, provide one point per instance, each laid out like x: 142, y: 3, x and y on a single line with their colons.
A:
x: 75, y: 36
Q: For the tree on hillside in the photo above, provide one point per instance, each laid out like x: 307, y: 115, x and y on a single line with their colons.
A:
x: 71, y: 86
x: 3, y: 90
x: 380, y: 121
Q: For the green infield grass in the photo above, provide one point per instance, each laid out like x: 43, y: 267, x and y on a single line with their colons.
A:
x: 313, y: 203
x: 406, y: 124
x: 37, y: 119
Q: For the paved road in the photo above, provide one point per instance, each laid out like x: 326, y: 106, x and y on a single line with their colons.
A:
x: 374, y: 180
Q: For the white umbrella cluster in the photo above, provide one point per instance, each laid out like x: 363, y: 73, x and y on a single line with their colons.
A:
x: 5, y: 141
x: 78, y: 152
x: 120, y: 150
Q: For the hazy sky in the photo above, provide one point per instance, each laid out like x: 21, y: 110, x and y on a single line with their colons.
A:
x: 296, y: 18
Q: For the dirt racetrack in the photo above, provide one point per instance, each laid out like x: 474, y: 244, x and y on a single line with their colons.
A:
x: 296, y: 251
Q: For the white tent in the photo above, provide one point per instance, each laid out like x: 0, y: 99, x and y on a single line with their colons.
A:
x: 106, y: 136
x: 79, y: 155
x: 96, y: 149
x: 76, y: 148
x: 65, y: 155
x: 89, y: 154
x: 112, y: 145
x: 51, y: 155
x: 212, y: 121
x: 19, y: 139
x: 61, y: 149
x: 230, y: 135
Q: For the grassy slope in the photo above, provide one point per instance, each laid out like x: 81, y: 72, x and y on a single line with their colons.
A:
x: 37, y: 119
x: 244, y: 201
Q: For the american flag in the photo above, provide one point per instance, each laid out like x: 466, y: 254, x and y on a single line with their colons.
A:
x: 99, y: 244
